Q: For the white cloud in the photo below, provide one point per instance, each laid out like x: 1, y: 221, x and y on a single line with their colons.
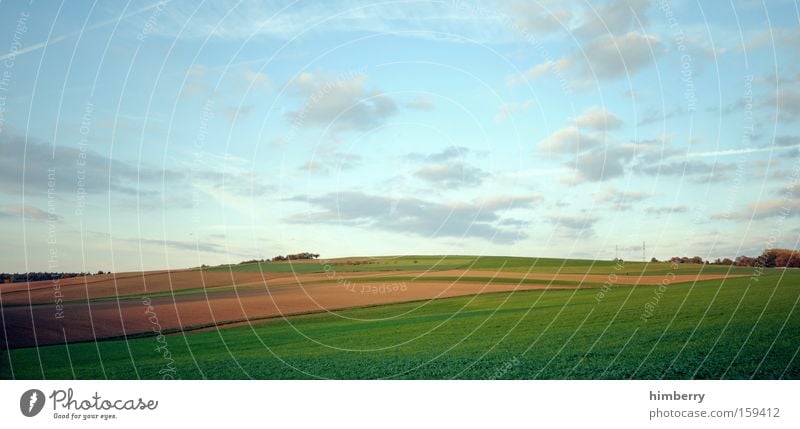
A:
x: 574, y: 226
x: 196, y: 82
x: 598, y: 118
x: 556, y: 67
x: 238, y: 113
x: 619, y: 200
x: 452, y: 175
x: 597, y: 166
x: 420, y: 103
x: 256, y: 79
x: 764, y: 209
x: 334, y: 160
x: 614, y: 17
x: 60, y: 38
x: 658, y: 211
x: 786, y: 101
x: 240, y: 20
x: 27, y: 212
x: 613, y: 57
x: 447, y: 154
x: 415, y: 216
x: 339, y: 104
x: 773, y: 37
x: 538, y: 17
x: 605, y: 58
x: 568, y: 140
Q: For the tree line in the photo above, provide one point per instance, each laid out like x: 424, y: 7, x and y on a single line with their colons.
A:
x: 39, y: 276
x: 280, y: 258
x: 770, y: 258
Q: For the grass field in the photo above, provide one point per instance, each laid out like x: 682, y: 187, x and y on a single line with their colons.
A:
x: 737, y: 328
x: 501, y: 263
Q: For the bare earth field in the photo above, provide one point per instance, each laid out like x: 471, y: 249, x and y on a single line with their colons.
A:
x: 136, y: 304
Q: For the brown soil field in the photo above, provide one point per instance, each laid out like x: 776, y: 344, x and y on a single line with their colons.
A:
x: 256, y: 298
x: 125, y: 284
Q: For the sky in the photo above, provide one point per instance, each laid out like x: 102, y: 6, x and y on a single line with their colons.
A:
x: 151, y: 135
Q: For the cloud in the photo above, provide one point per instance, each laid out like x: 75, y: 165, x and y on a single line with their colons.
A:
x: 313, y: 166
x: 597, y: 158
x: 239, y: 113
x: 773, y: 37
x: 615, y: 17
x: 30, y: 163
x: 339, y: 104
x: 556, y: 67
x: 786, y: 101
x: 574, y: 222
x: 447, y: 154
x: 204, y: 247
x: 420, y: 103
x: 614, y: 159
x: 613, y: 57
x: 658, y: 211
x: 452, y: 175
x: 598, y: 118
x: 517, y: 223
x: 255, y: 20
x: 568, y: 140
x: 787, y: 151
x: 598, y: 165
x: 619, y: 200
x: 256, y: 79
x: 546, y: 17
x: 196, y: 81
x: 411, y: 215
x: 27, y: 212
x: 792, y: 190
x: 783, y: 207
x: 696, y: 171
x: 52, y: 40
x: 226, y: 173
x: 335, y: 160
x: 606, y: 58
x: 197, y: 246
x: 539, y: 17
x: 509, y: 109
x: 575, y: 226
x: 447, y: 169
x: 787, y: 140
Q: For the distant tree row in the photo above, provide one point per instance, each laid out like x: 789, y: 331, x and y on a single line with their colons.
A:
x: 279, y: 258
x: 39, y: 276
x: 292, y: 257
x: 771, y: 258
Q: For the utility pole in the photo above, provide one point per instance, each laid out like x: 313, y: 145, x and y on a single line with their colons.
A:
x: 616, y: 252
x: 644, y: 258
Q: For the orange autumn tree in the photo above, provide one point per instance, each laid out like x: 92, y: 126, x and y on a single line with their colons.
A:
x: 780, y: 258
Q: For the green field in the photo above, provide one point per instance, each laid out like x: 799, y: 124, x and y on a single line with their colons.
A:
x: 740, y: 328
x: 502, y: 263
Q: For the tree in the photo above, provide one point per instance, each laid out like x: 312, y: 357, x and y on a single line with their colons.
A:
x: 783, y: 258
x: 294, y: 256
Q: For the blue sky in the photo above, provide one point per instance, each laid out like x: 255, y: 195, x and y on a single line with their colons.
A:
x: 150, y: 135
